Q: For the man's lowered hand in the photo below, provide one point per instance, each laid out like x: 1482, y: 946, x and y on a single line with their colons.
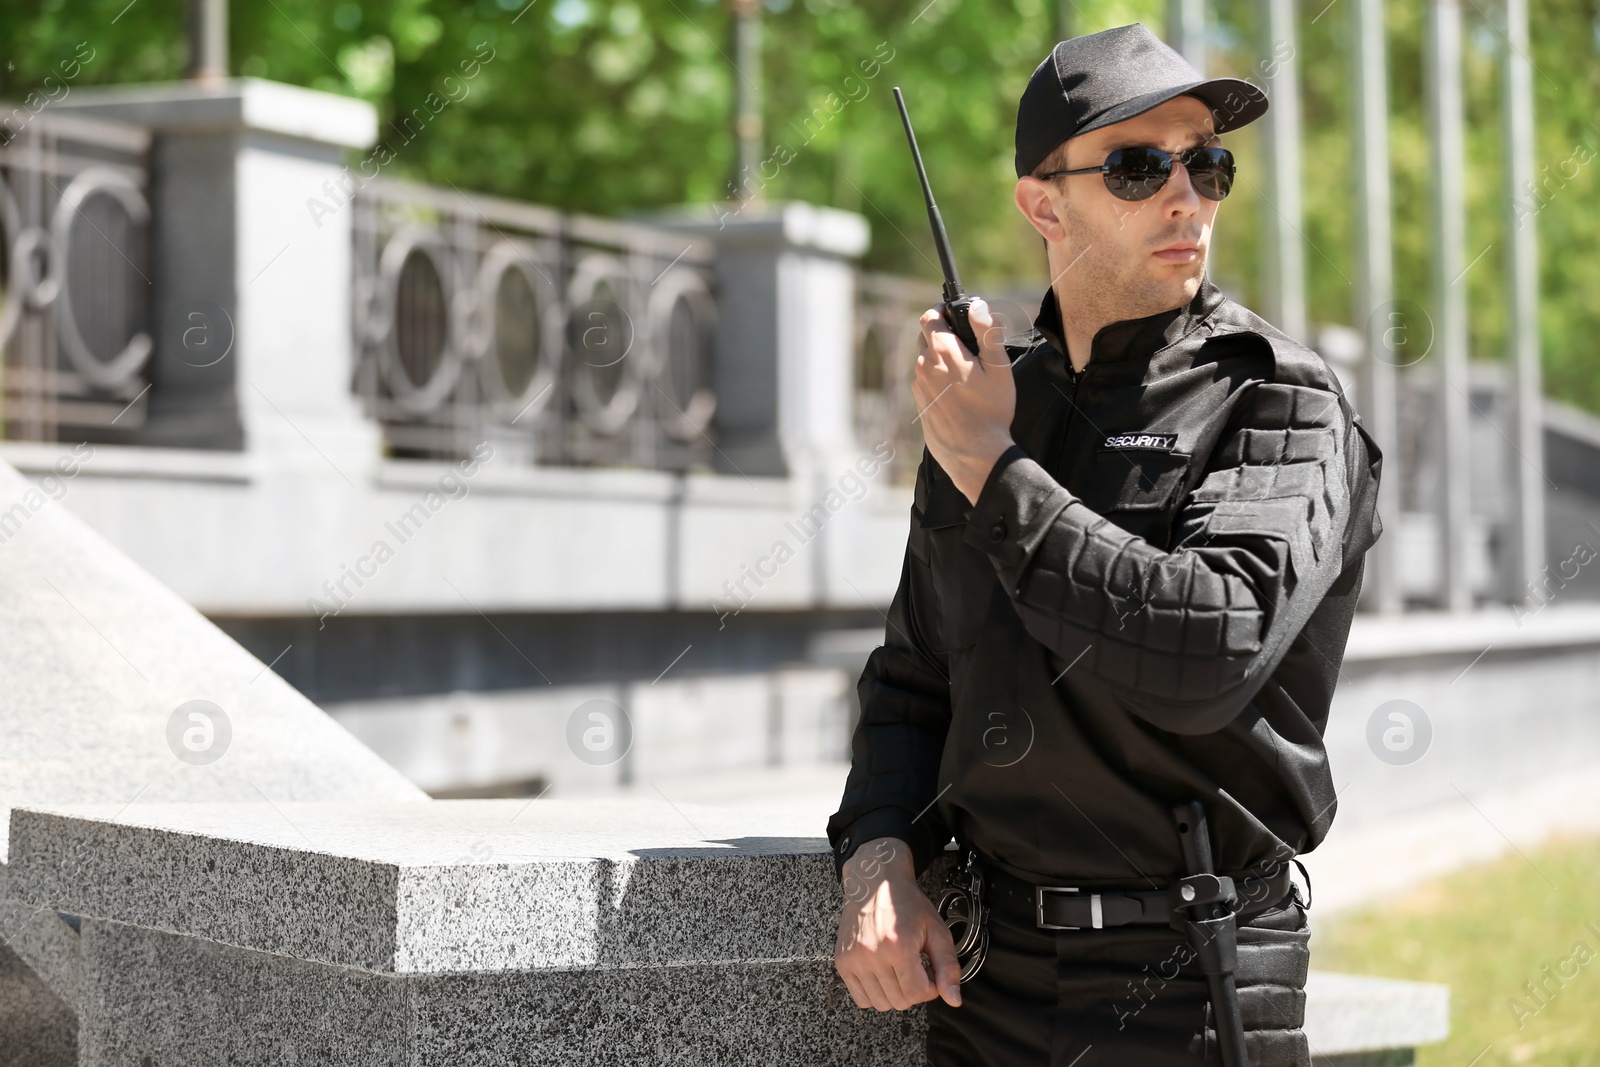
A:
x: 887, y: 925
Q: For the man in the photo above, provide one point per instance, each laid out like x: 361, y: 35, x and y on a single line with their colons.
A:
x: 1136, y: 545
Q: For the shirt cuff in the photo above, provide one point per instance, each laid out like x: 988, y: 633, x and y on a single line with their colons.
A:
x: 879, y: 822
x: 1017, y: 506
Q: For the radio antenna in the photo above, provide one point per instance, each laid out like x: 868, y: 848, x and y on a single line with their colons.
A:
x: 956, y: 302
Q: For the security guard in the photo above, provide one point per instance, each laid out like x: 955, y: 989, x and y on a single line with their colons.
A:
x: 1135, y: 550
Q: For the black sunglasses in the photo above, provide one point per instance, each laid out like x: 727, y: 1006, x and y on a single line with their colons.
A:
x: 1138, y: 172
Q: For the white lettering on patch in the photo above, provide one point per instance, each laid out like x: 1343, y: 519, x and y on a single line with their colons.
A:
x: 1162, y: 442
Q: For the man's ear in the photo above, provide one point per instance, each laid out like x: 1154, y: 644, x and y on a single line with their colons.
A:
x: 1033, y: 200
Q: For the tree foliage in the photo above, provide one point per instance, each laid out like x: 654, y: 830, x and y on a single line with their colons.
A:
x: 616, y: 106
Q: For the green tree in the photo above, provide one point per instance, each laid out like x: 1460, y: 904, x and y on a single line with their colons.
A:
x: 613, y: 106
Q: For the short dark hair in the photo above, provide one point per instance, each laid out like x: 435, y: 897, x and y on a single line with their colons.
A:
x: 1055, y: 160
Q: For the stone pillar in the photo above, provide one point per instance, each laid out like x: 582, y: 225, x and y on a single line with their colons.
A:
x: 785, y: 333
x: 251, y: 245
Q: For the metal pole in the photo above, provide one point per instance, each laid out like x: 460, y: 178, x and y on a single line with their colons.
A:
x: 1522, y: 283
x: 1186, y: 31
x: 208, y: 40
x: 1285, y: 282
x: 1380, y: 590
x: 747, y: 179
x: 1442, y: 80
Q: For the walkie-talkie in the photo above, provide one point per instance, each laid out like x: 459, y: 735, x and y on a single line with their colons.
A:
x: 956, y: 303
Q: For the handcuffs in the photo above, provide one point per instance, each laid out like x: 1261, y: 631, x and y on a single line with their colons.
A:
x: 962, y: 908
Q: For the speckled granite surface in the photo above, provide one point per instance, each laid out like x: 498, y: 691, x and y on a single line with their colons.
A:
x: 707, y: 1015
x: 98, y: 661
x: 490, y: 933
x: 96, y: 655
x: 297, y: 902
x: 466, y: 885
x: 1357, y: 1013
x: 160, y: 999
x: 153, y: 998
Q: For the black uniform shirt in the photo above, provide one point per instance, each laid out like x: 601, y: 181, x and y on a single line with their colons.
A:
x: 1148, y: 603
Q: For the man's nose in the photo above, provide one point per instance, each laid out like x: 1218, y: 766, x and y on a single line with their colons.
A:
x: 1182, y: 196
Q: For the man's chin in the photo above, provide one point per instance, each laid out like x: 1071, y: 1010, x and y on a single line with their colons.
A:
x: 1179, y: 280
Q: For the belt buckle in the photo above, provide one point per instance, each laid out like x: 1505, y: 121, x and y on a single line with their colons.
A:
x: 1096, y: 917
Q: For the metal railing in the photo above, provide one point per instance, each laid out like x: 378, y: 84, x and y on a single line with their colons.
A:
x: 564, y: 339
x: 887, y: 309
x: 75, y: 292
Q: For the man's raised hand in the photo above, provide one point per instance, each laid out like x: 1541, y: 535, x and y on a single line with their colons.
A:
x: 965, y: 402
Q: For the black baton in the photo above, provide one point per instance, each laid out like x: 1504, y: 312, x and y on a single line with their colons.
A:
x: 1204, y: 906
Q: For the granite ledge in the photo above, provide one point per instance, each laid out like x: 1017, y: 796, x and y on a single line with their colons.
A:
x: 1358, y: 1013
x: 443, y: 886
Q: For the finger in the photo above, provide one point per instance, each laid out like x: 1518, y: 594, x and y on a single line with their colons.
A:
x: 915, y: 984
x: 941, y: 950
x: 934, y: 325
x: 850, y: 983
x: 898, y: 982
x: 933, y: 353
x: 990, y: 335
x: 950, y: 344
x: 981, y: 321
x: 957, y: 343
x: 874, y: 989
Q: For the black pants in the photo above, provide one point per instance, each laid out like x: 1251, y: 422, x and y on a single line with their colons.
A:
x: 1128, y: 996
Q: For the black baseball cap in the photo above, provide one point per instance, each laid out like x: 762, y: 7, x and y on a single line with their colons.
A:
x: 1101, y: 78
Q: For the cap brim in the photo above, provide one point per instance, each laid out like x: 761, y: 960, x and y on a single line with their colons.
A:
x: 1234, y: 102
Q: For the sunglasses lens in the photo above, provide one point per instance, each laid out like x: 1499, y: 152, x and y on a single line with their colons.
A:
x: 1136, y: 173
x: 1211, y: 171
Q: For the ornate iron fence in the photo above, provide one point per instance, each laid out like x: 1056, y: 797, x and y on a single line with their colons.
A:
x: 887, y: 309
x: 75, y: 291
x: 563, y: 339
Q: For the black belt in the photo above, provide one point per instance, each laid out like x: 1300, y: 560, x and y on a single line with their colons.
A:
x: 1203, y: 905
x: 1054, y: 906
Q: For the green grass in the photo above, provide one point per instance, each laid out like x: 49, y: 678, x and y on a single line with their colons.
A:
x: 1484, y: 932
